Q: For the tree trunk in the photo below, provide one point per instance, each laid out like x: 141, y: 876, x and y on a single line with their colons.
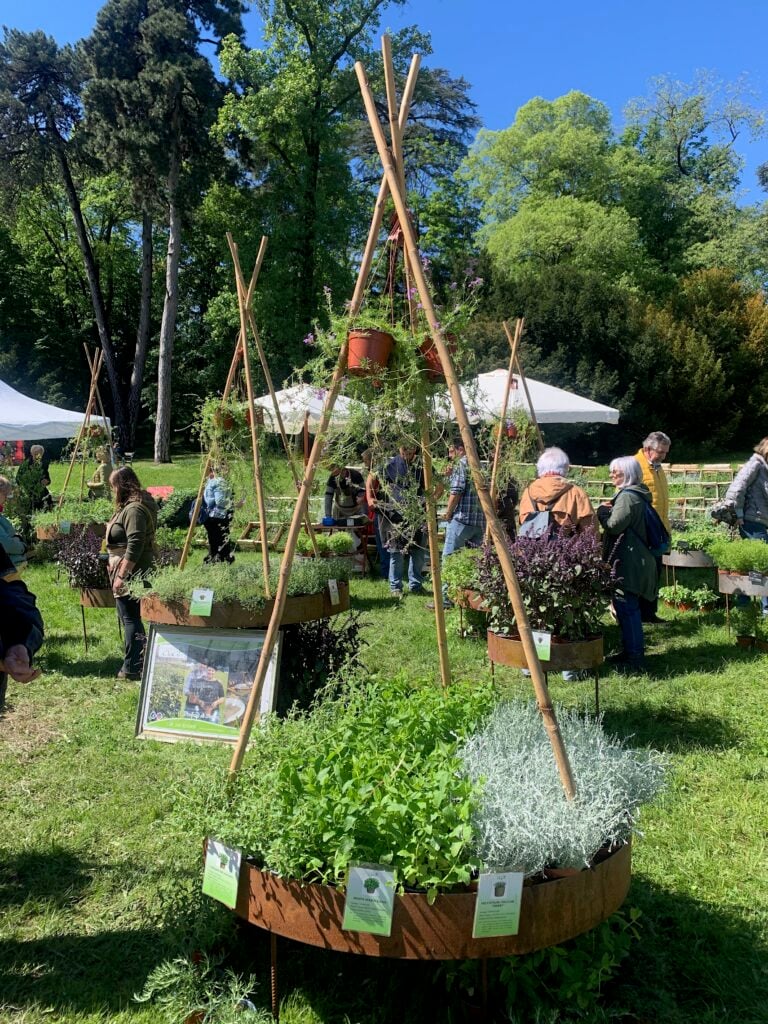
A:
x: 168, y: 325
x: 142, y: 332
x: 306, y: 299
x: 97, y: 298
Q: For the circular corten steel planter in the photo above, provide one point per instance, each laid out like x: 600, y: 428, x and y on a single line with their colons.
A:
x: 738, y: 583
x: 53, y: 532
x: 564, y: 654
x: 102, y: 598
x: 551, y: 912
x: 688, y: 560
x: 305, y: 608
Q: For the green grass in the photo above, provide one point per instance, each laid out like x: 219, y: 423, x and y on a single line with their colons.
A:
x: 93, y: 894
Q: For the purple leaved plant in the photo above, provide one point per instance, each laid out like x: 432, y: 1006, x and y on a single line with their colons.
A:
x: 79, y: 553
x: 564, y: 581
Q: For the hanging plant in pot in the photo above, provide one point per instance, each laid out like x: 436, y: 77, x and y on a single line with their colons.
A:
x: 565, y: 585
x: 80, y: 554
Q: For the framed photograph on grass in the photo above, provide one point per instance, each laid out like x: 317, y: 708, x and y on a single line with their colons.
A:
x: 196, y: 682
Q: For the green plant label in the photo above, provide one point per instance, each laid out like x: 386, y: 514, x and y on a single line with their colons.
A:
x: 543, y: 644
x: 202, y: 600
x: 333, y: 590
x: 497, y: 907
x: 221, y: 872
x: 370, y: 899
x: 65, y: 526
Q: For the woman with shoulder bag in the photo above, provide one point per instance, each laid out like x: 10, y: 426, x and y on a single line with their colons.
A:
x: 625, y: 546
x: 131, y: 551
x: 748, y: 496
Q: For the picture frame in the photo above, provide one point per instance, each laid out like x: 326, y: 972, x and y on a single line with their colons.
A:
x: 196, y: 683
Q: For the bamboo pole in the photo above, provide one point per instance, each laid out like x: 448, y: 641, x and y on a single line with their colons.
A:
x: 507, y: 388
x: 497, y: 531
x: 524, y: 382
x: 314, y: 456
x: 207, y: 465
x: 252, y: 418
x: 107, y: 432
x: 96, y: 369
x: 395, y: 128
x: 265, y: 369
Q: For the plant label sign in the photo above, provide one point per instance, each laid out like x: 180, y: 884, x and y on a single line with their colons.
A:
x: 370, y: 899
x: 202, y: 600
x: 221, y: 872
x: 65, y: 526
x: 333, y: 590
x: 497, y: 907
x: 543, y: 644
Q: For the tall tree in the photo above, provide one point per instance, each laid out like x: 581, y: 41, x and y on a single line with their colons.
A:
x: 40, y: 110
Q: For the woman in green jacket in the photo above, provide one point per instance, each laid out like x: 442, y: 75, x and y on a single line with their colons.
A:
x: 131, y: 550
x: 623, y: 519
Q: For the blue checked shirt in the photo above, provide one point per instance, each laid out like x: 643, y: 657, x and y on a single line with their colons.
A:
x: 468, y: 511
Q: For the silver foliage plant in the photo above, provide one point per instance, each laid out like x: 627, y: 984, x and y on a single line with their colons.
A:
x: 523, y: 821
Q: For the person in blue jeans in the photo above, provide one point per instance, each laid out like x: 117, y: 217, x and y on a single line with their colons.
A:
x: 220, y: 509
x: 401, y: 508
x: 623, y: 520
x: 749, y: 495
x: 465, y: 522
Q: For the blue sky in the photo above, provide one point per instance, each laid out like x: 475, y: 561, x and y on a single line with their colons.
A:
x: 510, y: 52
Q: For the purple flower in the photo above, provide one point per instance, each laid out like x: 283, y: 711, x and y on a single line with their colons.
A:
x: 413, y: 293
x: 326, y: 291
x: 419, y: 306
x: 476, y: 282
x: 320, y: 393
x: 310, y: 339
x: 453, y: 286
x: 426, y: 262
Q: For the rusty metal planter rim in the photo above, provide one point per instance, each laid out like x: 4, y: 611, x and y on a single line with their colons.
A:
x: 302, y: 608
x: 551, y: 912
x: 564, y: 654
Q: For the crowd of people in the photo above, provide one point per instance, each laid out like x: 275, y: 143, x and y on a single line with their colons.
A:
x: 392, y: 497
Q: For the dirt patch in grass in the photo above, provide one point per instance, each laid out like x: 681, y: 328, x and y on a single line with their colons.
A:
x: 23, y: 731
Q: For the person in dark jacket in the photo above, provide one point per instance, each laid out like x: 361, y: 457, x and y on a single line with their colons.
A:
x: 21, y: 627
x: 131, y: 549
x: 623, y: 520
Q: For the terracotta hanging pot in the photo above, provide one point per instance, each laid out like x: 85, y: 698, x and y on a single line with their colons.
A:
x: 369, y: 352
x: 223, y: 419
x: 258, y: 416
x: 428, y: 349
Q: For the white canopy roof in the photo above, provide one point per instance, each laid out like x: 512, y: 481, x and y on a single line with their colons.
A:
x: 485, y: 395
x: 298, y: 400
x: 26, y: 419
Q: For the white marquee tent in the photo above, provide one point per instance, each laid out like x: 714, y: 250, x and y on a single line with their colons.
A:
x: 26, y: 419
x: 484, y: 399
x: 298, y: 401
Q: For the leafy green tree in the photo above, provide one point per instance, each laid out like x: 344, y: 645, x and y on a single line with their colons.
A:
x: 40, y: 110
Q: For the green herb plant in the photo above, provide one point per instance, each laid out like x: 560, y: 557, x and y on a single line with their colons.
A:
x: 740, y: 556
x: 73, y: 510
x: 460, y: 571
x: 182, y: 988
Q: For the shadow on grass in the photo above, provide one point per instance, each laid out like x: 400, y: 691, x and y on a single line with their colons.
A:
x: 670, y: 729
x: 58, y: 876
x: 59, y: 661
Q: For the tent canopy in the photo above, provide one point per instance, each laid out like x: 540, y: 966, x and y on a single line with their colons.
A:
x: 484, y: 397
x: 26, y: 419
x: 298, y: 401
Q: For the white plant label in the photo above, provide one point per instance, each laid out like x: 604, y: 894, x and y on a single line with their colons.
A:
x: 333, y: 590
x: 497, y: 908
x: 543, y: 644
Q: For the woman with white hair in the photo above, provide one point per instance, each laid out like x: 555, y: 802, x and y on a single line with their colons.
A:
x: 569, y: 507
x: 623, y: 519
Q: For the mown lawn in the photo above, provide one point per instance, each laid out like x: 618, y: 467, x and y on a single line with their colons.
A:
x: 93, y: 894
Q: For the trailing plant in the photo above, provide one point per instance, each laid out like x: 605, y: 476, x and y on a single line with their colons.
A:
x: 523, y: 821
x: 564, y: 581
x: 314, y: 653
x: 740, y: 556
x: 73, y: 510
x: 182, y: 988
x: 461, y: 570
x: 242, y: 582
x: 79, y: 554
x: 369, y: 775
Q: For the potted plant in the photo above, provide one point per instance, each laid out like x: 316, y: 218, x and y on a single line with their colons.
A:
x: 686, y: 599
x: 91, y: 513
x: 691, y: 543
x: 742, y: 566
x: 565, y: 584
x: 79, y: 553
x: 461, y: 574
x: 239, y: 599
x: 446, y: 784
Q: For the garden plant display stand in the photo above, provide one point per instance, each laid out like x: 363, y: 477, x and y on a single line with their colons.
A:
x: 753, y: 585
x: 103, y: 598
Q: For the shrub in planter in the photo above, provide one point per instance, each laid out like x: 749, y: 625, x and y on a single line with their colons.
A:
x: 79, y: 554
x: 423, y: 780
x: 342, y: 543
x: 73, y: 510
x: 564, y: 581
x: 740, y: 556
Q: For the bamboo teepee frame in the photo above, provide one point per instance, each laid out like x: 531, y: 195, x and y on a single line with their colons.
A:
x: 94, y: 398
x: 393, y: 185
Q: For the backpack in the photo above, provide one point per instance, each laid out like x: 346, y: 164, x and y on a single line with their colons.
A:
x: 539, y: 522
x: 657, y: 535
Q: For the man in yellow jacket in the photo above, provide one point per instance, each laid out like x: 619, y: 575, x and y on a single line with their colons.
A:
x: 654, y: 451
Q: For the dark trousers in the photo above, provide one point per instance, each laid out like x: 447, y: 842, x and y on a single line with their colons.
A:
x: 628, y: 613
x: 219, y: 546
x: 3, y: 688
x: 129, y: 613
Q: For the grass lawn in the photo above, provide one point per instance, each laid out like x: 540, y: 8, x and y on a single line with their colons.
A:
x: 93, y: 894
